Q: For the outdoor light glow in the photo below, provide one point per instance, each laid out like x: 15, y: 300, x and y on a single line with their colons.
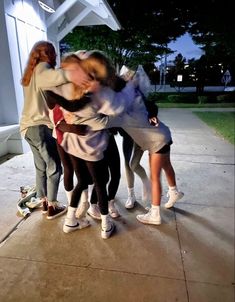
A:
x: 46, y: 7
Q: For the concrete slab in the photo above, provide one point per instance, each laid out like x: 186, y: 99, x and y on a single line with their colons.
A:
x: 190, y: 257
x: 41, y: 281
x: 8, y: 214
x: 135, y: 248
x: 207, y: 242
x: 203, y: 292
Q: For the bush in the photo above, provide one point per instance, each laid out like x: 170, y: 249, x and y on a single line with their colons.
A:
x: 192, y: 97
x: 202, y: 99
x: 174, y: 98
x: 228, y: 97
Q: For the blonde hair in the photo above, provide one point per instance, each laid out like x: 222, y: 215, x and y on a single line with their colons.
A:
x: 99, y: 67
x: 42, y: 51
x: 96, y: 65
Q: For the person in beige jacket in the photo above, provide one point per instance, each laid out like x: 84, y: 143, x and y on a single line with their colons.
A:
x: 35, y: 124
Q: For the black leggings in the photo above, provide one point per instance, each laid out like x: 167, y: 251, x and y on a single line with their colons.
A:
x: 112, y: 159
x: 87, y: 172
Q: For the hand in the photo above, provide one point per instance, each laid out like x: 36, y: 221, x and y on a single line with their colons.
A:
x: 78, y: 76
x: 93, y: 86
x: 69, y: 117
x: 154, y: 121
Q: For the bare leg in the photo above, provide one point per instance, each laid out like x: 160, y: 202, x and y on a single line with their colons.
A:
x: 169, y: 171
x: 156, y: 162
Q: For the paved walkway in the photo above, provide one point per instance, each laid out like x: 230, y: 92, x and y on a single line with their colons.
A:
x: 190, y: 257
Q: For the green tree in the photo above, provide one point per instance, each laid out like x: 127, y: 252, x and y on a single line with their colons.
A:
x: 146, y: 30
x: 212, y: 26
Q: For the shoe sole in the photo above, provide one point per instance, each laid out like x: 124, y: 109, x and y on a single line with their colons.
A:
x: 171, y: 206
x: 149, y: 222
x: 57, y: 215
x: 69, y: 229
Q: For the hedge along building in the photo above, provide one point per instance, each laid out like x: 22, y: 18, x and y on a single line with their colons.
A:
x: 22, y: 23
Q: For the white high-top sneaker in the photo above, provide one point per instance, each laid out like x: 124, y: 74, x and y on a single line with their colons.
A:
x: 107, y: 227
x: 152, y: 217
x: 71, y: 223
x: 174, y: 196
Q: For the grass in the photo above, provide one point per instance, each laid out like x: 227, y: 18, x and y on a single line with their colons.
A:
x: 185, y: 105
x: 221, y: 122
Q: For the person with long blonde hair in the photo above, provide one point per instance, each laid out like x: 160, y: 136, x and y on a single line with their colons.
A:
x: 35, y: 124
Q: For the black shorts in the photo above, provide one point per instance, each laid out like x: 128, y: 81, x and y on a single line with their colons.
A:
x: 165, y: 149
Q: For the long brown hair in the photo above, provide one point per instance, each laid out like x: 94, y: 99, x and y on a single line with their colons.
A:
x: 42, y: 51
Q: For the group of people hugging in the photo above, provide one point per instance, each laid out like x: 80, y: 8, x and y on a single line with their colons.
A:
x: 71, y: 115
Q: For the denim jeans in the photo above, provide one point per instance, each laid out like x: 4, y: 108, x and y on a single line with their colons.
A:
x: 46, y: 160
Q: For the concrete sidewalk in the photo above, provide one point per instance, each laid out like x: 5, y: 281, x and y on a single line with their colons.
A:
x: 190, y: 257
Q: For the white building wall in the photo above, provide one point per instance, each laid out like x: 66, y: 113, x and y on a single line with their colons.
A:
x: 22, y: 23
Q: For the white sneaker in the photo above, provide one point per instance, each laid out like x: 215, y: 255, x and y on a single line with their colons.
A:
x: 174, y: 196
x: 113, y: 212
x: 82, y: 209
x: 108, y: 231
x: 94, y: 211
x: 150, y: 218
x: 130, y: 203
x: 71, y: 225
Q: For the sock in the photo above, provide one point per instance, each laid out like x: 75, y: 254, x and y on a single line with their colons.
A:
x: 131, y: 192
x: 69, y: 195
x: 173, y: 188
x: 105, y: 221
x: 71, y: 212
x: 155, y: 209
x: 84, y: 196
x: 70, y: 219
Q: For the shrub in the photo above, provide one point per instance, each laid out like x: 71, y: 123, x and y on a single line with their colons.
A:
x: 202, y: 99
x: 174, y: 98
x: 228, y: 97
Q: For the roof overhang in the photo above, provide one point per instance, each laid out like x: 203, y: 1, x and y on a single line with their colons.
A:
x: 71, y: 13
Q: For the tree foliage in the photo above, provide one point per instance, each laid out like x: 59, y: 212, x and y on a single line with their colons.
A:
x: 147, y: 28
x: 146, y: 31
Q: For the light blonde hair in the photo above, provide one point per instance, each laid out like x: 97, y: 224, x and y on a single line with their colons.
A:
x: 100, y: 67
x: 96, y: 65
x: 42, y: 51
